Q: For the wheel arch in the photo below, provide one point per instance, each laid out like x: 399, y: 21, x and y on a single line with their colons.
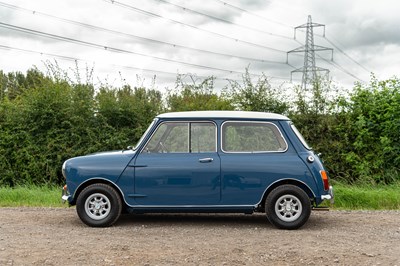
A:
x: 288, y: 181
x: 97, y: 180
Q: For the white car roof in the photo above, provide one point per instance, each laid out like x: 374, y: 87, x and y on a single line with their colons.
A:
x: 224, y: 114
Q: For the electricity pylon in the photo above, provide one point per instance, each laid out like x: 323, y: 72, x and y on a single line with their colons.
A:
x: 309, y: 69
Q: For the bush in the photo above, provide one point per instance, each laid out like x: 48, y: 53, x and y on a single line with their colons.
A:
x: 47, y: 119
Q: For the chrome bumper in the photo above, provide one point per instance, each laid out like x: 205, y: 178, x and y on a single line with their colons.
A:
x: 329, y: 196
x: 65, y: 195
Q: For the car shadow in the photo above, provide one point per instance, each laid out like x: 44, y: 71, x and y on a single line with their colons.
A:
x: 184, y: 219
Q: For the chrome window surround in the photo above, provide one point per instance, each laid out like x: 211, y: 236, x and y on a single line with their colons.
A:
x: 186, y: 121
x: 145, y: 133
x: 253, y: 122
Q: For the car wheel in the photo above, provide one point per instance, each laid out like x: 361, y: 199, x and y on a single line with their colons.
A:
x: 288, y: 207
x: 99, y: 205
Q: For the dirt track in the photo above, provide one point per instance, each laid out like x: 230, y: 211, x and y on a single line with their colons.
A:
x: 43, y: 236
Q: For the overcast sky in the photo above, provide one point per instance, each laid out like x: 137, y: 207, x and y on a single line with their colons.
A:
x: 124, y: 39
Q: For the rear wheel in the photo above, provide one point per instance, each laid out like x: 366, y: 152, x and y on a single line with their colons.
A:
x: 99, y: 205
x: 288, y: 207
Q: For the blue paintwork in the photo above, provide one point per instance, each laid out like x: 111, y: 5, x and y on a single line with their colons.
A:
x: 107, y: 166
x: 231, y: 182
x: 177, y: 179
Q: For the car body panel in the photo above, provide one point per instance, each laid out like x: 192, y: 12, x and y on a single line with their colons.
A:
x: 200, y: 182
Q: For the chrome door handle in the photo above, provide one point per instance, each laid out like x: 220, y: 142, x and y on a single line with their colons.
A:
x: 206, y: 160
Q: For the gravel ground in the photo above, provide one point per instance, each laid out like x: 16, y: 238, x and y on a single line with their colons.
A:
x: 55, y: 236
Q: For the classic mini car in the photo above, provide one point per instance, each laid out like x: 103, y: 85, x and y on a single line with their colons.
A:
x: 204, y: 161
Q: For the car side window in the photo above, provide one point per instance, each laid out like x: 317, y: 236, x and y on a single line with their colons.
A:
x: 183, y: 137
x: 202, y: 137
x: 249, y: 137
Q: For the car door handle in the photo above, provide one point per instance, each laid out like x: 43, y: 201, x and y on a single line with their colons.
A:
x: 206, y: 160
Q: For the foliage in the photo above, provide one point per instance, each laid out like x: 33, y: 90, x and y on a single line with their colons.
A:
x: 347, y: 197
x: 259, y: 97
x: 367, y: 197
x: 47, y: 118
x: 196, y: 97
x: 52, y: 120
x: 373, y: 129
x: 30, y: 196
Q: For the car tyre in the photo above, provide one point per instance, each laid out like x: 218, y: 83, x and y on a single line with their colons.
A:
x: 288, y: 207
x: 99, y: 205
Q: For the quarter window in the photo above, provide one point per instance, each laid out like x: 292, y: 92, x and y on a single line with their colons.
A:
x: 252, y: 137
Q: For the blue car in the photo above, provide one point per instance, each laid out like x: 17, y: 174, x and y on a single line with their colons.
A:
x: 203, y: 161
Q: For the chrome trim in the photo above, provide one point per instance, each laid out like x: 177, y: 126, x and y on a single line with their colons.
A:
x: 326, y: 197
x: 300, y: 136
x: 161, y: 206
x: 155, y: 120
x: 283, y: 179
x: 63, y: 169
x: 330, y: 195
x: 65, y: 198
x: 185, y: 121
x: 206, y: 160
x: 101, y: 178
x: 251, y: 152
x: 190, y: 206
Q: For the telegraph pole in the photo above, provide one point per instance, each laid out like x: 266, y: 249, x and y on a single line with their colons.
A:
x: 309, y: 68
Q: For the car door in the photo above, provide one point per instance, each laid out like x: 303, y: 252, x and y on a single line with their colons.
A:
x: 179, y: 166
x: 254, y: 155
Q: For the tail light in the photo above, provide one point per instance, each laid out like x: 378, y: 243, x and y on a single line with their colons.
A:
x: 325, y: 179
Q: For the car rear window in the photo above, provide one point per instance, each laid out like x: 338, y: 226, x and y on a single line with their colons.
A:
x: 301, y: 138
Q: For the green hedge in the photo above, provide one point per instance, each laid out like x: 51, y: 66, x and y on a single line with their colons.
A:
x: 45, y: 119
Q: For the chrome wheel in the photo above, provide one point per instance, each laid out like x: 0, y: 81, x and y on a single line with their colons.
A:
x: 97, y: 206
x: 288, y: 208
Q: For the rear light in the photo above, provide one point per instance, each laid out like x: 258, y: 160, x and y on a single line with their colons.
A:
x: 325, y: 179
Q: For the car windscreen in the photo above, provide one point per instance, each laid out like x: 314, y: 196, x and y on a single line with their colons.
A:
x: 145, y: 133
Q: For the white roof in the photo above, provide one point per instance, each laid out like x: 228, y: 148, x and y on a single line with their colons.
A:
x: 224, y: 114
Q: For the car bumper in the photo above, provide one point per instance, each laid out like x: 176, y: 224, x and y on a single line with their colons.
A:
x: 329, y: 196
x: 65, y: 196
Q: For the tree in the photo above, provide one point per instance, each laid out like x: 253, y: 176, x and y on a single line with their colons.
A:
x: 195, y: 97
x: 260, y: 96
x: 374, y: 128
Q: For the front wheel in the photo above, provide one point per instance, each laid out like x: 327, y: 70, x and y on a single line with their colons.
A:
x: 288, y: 207
x: 99, y: 205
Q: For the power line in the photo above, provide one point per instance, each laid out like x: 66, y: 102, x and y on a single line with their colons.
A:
x: 253, y: 14
x: 75, y: 59
x: 81, y: 24
x: 135, y: 9
x: 348, y: 56
x: 309, y: 68
x: 222, y: 20
x: 343, y: 52
x: 337, y: 66
x: 323, y: 36
x: 152, y: 71
x: 108, y: 48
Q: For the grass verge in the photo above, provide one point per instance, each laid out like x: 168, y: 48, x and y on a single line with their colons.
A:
x: 31, y: 196
x: 365, y: 197
x: 347, y: 197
